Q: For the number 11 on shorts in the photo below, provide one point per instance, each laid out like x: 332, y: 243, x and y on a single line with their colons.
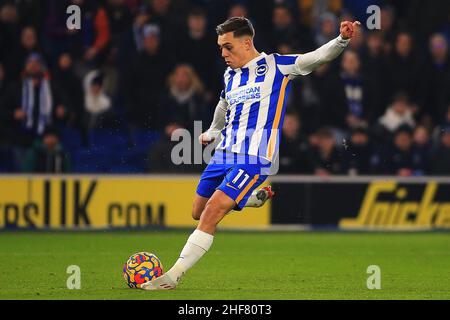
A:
x: 246, y: 176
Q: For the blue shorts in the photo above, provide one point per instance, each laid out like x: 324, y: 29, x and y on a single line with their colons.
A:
x: 237, y: 178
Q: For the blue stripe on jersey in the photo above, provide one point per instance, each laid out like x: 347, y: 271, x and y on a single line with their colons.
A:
x: 230, y: 81
x: 222, y: 94
x: 236, y: 119
x: 262, y: 77
x: 285, y: 60
x: 275, y: 94
x: 251, y: 125
x: 244, y: 77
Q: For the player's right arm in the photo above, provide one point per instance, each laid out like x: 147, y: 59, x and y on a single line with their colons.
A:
x: 303, y: 64
x: 217, y: 124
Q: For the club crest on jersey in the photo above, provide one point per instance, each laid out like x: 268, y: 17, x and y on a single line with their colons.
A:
x: 261, y: 70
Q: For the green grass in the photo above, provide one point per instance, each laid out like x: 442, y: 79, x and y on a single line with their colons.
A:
x: 316, y: 265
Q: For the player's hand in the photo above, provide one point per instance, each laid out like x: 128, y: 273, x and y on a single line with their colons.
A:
x: 348, y: 29
x: 205, y: 139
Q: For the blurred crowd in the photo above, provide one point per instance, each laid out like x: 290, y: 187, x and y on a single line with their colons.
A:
x: 107, y: 97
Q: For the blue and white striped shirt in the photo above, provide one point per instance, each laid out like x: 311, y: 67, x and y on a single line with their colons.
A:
x: 254, y: 97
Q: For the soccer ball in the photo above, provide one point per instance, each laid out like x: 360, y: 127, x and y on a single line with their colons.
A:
x: 141, y: 267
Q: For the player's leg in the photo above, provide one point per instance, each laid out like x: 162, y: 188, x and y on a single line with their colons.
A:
x: 215, y: 209
x: 210, y: 179
x: 198, y: 242
x: 232, y: 193
x: 257, y: 199
x: 198, y: 206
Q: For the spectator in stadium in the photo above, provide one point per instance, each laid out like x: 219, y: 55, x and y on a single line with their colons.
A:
x: 425, y: 20
x: 15, y: 59
x: 88, y: 44
x: 9, y: 28
x: 200, y: 50
x: 327, y: 28
x: 401, y: 157
x: 31, y: 102
x: 435, y: 78
x: 422, y: 142
x: 343, y: 96
x: 402, y: 72
x: 440, y: 161
x: 354, y: 89
x: 325, y: 159
x: 3, y: 111
x: 357, y: 155
x: 132, y: 40
x: 374, y: 69
x: 310, y: 11
x: 237, y: 9
x: 130, y: 44
x: 2, y: 80
x: 168, y: 15
x: 304, y: 98
x: 69, y: 89
x: 31, y: 13
x: 47, y: 155
x: 388, y: 18
x: 184, y: 101
x: 438, y: 129
x: 119, y: 19
x: 96, y: 102
x: 397, y: 114
x: 332, y: 102
x: 160, y: 154
x: 144, y: 85
x: 293, y: 146
x: 284, y: 28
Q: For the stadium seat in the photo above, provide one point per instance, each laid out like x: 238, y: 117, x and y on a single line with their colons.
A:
x: 142, y: 139
x: 108, y: 139
x: 136, y: 159
x: 71, y: 139
x: 6, y: 161
x: 92, y: 160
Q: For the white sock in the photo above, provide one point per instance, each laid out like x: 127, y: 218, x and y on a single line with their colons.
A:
x: 197, y: 245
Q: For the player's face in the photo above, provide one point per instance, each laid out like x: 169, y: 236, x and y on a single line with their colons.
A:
x: 233, y: 49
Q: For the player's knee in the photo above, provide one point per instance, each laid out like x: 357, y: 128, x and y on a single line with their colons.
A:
x: 212, y: 213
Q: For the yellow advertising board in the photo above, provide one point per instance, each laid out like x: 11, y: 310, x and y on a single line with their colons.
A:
x: 73, y: 202
x: 423, y: 212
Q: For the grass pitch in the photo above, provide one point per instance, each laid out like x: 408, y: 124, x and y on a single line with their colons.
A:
x: 259, y: 265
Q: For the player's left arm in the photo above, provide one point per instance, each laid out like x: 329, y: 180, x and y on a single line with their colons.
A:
x: 308, y: 62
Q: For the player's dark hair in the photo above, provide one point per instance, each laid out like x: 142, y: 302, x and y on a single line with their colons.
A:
x: 240, y: 26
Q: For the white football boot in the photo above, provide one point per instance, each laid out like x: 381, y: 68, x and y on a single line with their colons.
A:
x: 259, y: 197
x: 163, y: 282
